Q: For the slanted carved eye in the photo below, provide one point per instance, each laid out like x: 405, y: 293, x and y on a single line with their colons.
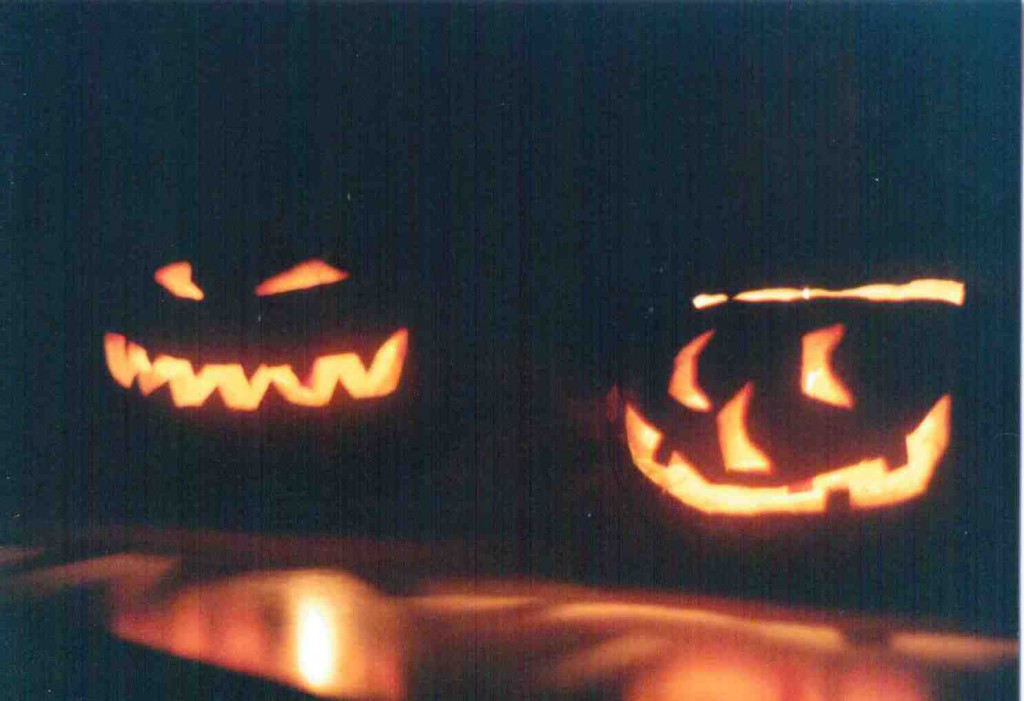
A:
x: 305, y: 275
x: 683, y: 386
x: 817, y: 380
x: 739, y: 454
x: 176, y: 278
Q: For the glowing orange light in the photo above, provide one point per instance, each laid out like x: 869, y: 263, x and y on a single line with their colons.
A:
x: 811, y: 636
x: 739, y: 672
x: 926, y: 290
x: 870, y: 483
x: 316, y: 644
x: 869, y: 683
x: 703, y: 301
x: 683, y: 386
x: 176, y: 278
x: 471, y: 603
x: 708, y: 675
x: 310, y: 273
x: 607, y: 659
x: 739, y: 454
x: 323, y: 633
x: 123, y: 572
x: 947, y: 291
x: 817, y: 380
x: 129, y: 362
x: 952, y: 649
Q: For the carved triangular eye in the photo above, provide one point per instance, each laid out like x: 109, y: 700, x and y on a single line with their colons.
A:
x: 310, y: 273
x: 817, y: 380
x: 176, y: 278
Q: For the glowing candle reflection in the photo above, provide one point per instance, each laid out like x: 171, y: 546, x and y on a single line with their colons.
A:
x: 316, y: 644
x: 324, y: 633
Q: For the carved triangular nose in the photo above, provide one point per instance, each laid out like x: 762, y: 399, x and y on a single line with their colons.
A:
x: 739, y: 454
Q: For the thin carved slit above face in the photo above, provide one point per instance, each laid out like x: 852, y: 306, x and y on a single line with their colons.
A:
x: 925, y: 290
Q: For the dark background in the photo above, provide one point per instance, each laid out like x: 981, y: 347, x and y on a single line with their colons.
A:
x: 536, y: 193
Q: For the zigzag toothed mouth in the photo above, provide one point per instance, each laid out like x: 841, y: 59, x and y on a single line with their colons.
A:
x: 129, y: 363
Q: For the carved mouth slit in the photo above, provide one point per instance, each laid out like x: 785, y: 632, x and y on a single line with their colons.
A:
x: 870, y: 483
x: 129, y: 363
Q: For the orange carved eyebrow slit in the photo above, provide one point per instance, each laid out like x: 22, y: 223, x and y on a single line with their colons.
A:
x: 925, y: 290
x: 683, y: 386
x: 817, y: 380
x: 310, y: 273
x: 176, y: 278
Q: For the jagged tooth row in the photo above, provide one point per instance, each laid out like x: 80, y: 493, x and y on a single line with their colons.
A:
x: 870, y: 483
x: 129, y: 362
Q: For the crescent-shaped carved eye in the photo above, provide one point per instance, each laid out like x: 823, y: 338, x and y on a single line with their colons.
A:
x: 683, y: 386
x: 817, y: 380
x: 739, y: 454
x: 176, y: 278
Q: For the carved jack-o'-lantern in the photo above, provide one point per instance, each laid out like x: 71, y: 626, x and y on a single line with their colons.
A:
x: 130, y: 363
x: 747, y: 480
x: 279, y: 386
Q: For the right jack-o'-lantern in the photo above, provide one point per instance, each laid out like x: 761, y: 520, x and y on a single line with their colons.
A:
x: 705, y: 451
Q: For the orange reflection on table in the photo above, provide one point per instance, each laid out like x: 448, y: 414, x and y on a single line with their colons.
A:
x: 324, y: 633
x: 866, y: 683
x: 731, y: 672
x: 317, y: 644
x: 714, y: 675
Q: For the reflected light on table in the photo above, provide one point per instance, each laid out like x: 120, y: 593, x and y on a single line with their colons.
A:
x: 866, y: 683
x: 712, y: 672
x: 316, y: 644
x: 324, y: 633
x: 954, y: 650
x: 714, y: 676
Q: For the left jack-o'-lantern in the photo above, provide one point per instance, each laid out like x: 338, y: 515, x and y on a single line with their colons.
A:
x: 279, y: 386
x: 191, y: 383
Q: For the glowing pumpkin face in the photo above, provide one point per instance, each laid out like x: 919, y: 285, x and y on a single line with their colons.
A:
x: 747, y: 480
x: 190, y: 385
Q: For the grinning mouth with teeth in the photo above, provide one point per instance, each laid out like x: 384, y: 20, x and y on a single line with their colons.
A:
x: 129, y: 363
x: 869, y: 484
